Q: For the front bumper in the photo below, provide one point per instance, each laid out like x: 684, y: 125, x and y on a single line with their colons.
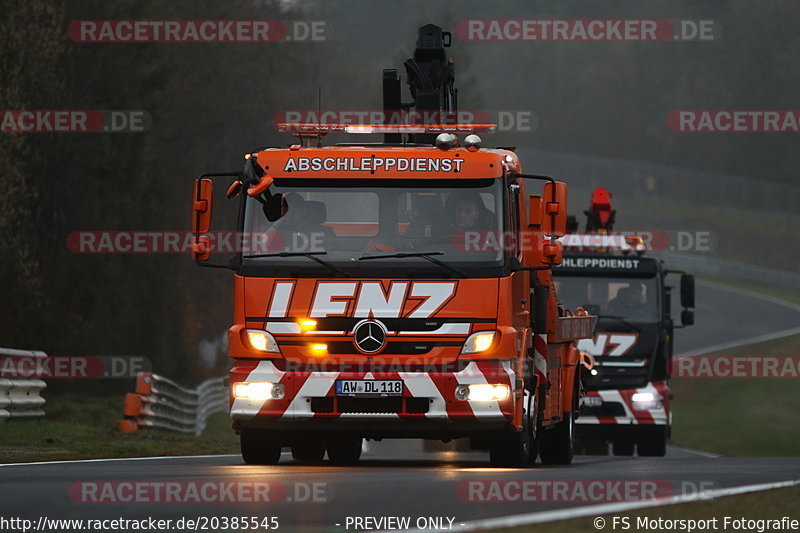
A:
x: 428, y: 403
x: 619, y: 409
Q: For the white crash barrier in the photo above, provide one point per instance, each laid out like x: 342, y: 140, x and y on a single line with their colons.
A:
x: 21, y: 398
x: 160, y: 402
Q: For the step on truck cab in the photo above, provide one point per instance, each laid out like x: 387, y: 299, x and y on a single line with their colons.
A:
x: 608, y: 274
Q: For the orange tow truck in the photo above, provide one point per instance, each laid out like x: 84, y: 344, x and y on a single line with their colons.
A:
x: 398, y: 290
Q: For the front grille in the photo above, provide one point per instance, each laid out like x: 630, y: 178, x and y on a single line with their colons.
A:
x: 612, y: 377
x: 605, y: 409
x: 392, y: 347
x: 345, y: 404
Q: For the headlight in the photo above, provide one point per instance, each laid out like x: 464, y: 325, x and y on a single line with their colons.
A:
x: 262, y: 341
x: 258, y: 392
x: 478, y: 342
x: 483, y: 392
x: 646, y: 400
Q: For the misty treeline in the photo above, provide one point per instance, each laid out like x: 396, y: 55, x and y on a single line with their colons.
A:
x: 211, y: 103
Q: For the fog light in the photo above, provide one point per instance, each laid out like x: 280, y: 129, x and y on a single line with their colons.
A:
x: 258, y: 391
x: 646, y: 400
x: 643, y: 397
x: 482, y: 392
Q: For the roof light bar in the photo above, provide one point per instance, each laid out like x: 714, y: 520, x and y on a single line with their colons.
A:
x: 386, y: 128
x: 624, y: 243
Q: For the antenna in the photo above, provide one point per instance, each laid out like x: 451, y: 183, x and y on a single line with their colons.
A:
x: 319, y: 115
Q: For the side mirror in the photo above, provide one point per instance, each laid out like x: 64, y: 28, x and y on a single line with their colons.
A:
x: 554, y: 203
x: 687, y: 317
x: 538, y: 217
x: 201, y: 218
x: 687, y: 291
x: 263, y: 184
x: 552, y: 251
x: 234, y: 189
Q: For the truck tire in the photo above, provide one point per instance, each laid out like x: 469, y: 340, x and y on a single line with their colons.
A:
x: 557, y: 445
x: 310, y: 451
x: 344, y: 451
x: 622, y: 447
x: 259, y: 447
x: 592, y: 447
x: 518, y: 449
x: 653, y: 444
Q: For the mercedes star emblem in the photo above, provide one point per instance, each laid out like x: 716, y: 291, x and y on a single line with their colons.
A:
x: 369, y: 336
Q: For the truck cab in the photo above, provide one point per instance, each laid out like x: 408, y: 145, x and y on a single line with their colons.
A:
x: 384, y: 291
x: 628, y: 395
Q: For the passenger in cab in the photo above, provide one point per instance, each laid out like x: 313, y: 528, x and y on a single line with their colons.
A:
x: 628, y: 303
x: 466, y: 223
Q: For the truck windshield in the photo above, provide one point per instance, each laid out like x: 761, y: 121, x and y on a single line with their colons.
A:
x: 628, y: 299
x: 403, y: 224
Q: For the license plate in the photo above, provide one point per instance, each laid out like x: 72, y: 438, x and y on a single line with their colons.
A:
x: 593, y: 401
x: 369, y: 387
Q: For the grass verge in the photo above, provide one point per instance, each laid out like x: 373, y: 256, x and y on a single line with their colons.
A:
x: 745, y: 417
x: 85, y: 427
x: 740, y: 416
x: 767, y: 505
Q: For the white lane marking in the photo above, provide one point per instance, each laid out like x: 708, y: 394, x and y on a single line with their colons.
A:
x: 616, y: 507
x: 75, y: 461
x: 753, y: 294
x: 750, y: 340
x: 702, y: 453
x: 742, y: 342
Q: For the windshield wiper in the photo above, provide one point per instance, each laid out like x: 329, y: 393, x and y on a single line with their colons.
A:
x: 621, y: 320
x: 424, y: 255
x: 310, y: 255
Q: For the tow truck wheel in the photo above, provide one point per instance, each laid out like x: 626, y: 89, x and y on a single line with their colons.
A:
x: 517, y: 449
x: 310, y: 451
x: 344, y: 451
x: 653, y: 444
x: 558, y: 444
x: 258, y: 447
x: 623, y: 447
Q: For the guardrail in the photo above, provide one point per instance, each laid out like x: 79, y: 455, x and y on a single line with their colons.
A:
x: 21, y: 398
x: 711, y: 266
x: 160, y: 402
